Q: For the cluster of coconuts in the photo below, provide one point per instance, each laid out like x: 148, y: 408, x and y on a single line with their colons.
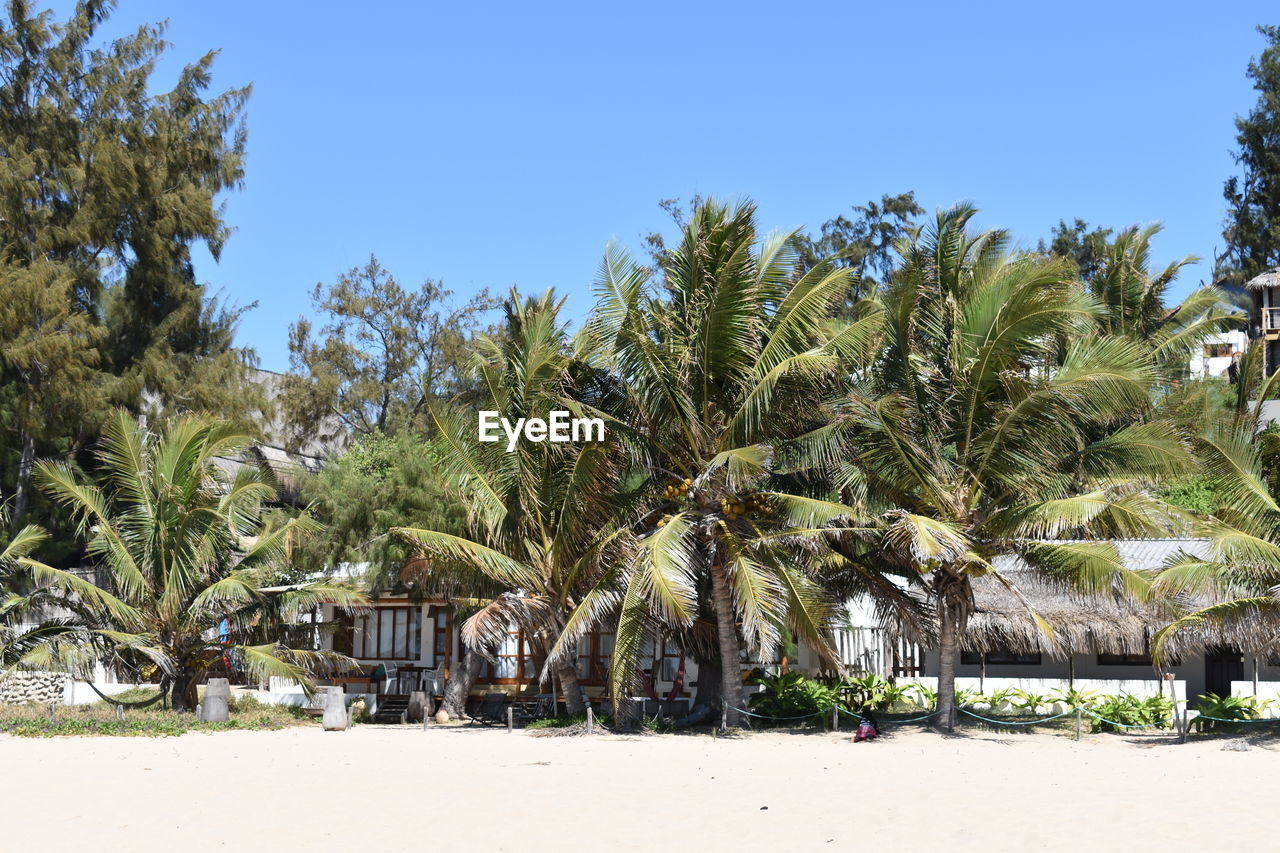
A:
x: 755, y: 504
x: 678, y: 488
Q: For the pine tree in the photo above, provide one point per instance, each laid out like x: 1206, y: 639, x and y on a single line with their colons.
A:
x: 1252, y: 229
x: 105, y: 187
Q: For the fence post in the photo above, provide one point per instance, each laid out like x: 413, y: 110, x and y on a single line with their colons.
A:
x: 835, y: 718
x: 120, y: 713
x: 591, y: 720
x: 511, y: 725
x: 1079, y: 719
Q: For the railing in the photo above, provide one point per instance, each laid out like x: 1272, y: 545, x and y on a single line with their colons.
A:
x: 1271, y: 319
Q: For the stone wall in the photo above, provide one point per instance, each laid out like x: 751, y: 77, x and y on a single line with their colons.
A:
x: 18, y: 688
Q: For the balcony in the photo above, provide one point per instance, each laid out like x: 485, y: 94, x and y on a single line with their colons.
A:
x: 1271, y: 320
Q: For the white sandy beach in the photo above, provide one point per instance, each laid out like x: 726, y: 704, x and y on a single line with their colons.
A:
x: 389, y: 788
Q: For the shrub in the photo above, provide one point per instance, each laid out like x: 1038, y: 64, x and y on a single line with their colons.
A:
x: 790, y: 697
x: 1152, y: 712
x: 100, y: 718
x: 1227, y: 708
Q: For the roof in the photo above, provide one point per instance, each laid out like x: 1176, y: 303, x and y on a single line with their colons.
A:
x: 1270, y: 278
x: 1095, y: 624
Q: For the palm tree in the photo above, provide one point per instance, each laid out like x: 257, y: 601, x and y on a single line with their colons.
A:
x: 192, y: 574
x: 547, y: 518
x: 1239, y: 457
x: 1133, y: 299
x: 967, y: 447
x: 722, y: 360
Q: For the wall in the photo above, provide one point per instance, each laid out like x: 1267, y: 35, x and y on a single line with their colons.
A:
x: 1267, y: 690
x: 19, y: 688
x: 1046, y: 686
x: 1190, y: 671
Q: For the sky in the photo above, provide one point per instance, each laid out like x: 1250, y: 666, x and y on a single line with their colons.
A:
x: 498, y: 145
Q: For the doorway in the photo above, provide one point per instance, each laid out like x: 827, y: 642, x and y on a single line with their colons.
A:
x: 1221, y: 667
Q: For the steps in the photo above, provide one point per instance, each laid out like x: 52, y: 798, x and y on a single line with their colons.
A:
x: 391, y: 709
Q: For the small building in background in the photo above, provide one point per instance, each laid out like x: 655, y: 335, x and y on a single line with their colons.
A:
x: 1265, y: 319
x: 1217, y: 353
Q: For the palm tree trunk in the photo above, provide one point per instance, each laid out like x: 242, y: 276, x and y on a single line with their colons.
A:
x: 184, y: 695
x: 948, y: 651
x: 458, y: 687
x: 727, y: 632
x: 575, y: 698
x: 707, y: 701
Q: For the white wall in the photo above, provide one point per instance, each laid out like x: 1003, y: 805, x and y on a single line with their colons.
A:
x: 1201, y: 366
x: 1190, y: 671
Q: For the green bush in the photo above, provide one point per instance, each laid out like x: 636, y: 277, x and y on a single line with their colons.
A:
x: 100, y: 718
x: 1227, y: 708
x: 1151, y: 712
x: 790, y: 697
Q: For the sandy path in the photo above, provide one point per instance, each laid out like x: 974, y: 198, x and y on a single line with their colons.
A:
x: 404, y: 789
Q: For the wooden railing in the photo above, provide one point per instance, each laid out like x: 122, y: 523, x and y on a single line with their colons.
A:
x: 1271, y: 319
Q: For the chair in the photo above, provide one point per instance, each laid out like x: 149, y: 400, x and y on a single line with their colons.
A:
x: 492, y: 711
x: 433, y: 681
x: 385, y: 675
x: 546, y: 706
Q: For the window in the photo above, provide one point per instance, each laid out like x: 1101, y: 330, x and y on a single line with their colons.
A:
x: 1218, y: 350
x: 1000, y: 658
x: 441, y: 645
x: 389, y: 633
x: 515, y: 664
x: 669, y: 660
x: 595, y: 651
x: 1124, y: 660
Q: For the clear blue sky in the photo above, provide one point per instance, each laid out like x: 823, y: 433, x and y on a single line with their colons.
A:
x: 493, y: 144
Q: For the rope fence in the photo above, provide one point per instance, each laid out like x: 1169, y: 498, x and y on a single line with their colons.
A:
x: 882, y: 719
x: 1014, y: 722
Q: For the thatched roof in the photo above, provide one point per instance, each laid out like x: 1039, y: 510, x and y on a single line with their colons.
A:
x: 1094, y: 625
x: 1270, y: 278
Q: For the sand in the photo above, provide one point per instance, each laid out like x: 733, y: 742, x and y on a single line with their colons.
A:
x: 400, y: 788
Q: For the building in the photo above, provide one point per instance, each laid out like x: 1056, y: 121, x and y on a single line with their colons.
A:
x: 1216, y: 355
x: 1264, y: 322
x: 1104, y: 644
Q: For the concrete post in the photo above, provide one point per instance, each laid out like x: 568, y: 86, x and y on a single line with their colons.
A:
x: 217, y: 699
x: 335, y: 710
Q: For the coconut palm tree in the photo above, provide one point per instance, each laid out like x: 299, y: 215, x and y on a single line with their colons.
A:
x: 1237, y: 585
x: 723, y: 358
x: 192, y: 575
x: 1133, y: 300
x: 546, y: 518
x: 967, y: 447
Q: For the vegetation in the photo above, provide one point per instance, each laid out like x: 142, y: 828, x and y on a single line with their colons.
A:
x: 549, y: 521
x: 102, y: 718
x: 109, y: 182
x: 881, y: 409
x: 719, y: 362
x: 1217, y: 712
x: 964, y: 449
x: 187, y: 562
x: 1151, y: 712
x: 1252, y: 229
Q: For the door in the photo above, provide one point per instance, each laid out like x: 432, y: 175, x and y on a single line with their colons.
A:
x: 1221, y: 667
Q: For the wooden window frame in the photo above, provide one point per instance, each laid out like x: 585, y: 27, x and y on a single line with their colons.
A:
x: 405, y: 618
